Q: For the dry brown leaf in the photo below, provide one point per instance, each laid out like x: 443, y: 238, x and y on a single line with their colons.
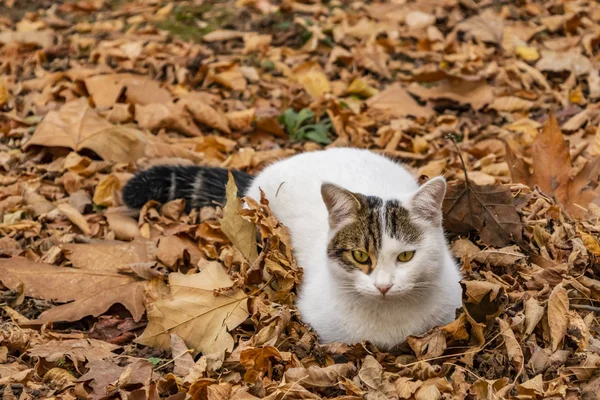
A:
x: 77, y: 350
x: 193, y: 312
x: 558, y: 318
x: 157, y: 116
x: 476, y: 93
x: 105, y: 90
x: 311, y: 76
x: 429, y: 346
x: 515, y: 353
x: 552, y: 171
x: 77, y: 126
x: 106, y: 378
x: 182, y: 359
x: 204, y: 113
x: 241, y: 232
x: 533, y: 315
x: 75, y: 217
x: 43, y: 38
x: 256, y: 361
x: 486, y: 27
x: 487, y: 209
x: 94, y: 283
x: 396, y: 101
x: 315, y: 377
x: 504, y: 257
x: 572, y: 61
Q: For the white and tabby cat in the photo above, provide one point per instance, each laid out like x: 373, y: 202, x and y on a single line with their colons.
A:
x: 376, y: 263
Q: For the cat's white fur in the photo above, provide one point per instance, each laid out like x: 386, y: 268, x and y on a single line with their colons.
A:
x: 346, y: 306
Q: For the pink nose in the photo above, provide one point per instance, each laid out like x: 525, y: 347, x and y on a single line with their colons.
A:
x: 384, y: 288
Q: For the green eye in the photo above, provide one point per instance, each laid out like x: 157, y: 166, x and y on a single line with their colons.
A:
x: 406, y: 256
x: 360, y: 256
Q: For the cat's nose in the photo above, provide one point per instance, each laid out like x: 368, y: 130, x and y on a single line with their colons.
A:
x: 384, y: 288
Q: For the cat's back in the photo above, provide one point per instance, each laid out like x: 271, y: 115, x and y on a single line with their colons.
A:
x: 357, y: 170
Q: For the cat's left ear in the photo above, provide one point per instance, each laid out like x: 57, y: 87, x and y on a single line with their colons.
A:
x: 427, y: 202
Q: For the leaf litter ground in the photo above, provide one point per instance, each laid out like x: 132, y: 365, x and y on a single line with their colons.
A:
x: 100, y: 302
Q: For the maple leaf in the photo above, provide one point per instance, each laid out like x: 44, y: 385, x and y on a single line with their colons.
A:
x: 487, y: 209
x: 552, y: 171
x: 193, y: 312
x: 94, y: 285
x: 78, y: 350
x: 77, y: 126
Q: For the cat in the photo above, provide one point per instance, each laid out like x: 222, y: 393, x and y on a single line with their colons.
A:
x: 377, y: 266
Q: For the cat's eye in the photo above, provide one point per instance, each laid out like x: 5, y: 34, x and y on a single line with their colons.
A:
x: 406, y: 256
x: 360, y: 256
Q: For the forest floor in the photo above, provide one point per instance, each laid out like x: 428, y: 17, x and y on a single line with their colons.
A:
x: 100, y: 302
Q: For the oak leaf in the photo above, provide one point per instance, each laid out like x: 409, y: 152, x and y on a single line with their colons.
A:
x: 476, y: 93
x: 77, y: 126
x: 193, y: 312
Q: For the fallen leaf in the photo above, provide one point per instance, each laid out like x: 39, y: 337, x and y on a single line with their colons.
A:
x: 552, y: 171
x: 558, y: 309
x: 256, y: 361
x: 396, y: 101
x: 513, y: 349
x: 106, y: 378
x: 193, y: 312
x: 241, y: 232
x: 533, y: 315
x: 486, y: 27
x: 75, y: 217
x: 105, y: 90
x: 315, y: 377
x: 311, y: 76
x: 157, y: 116
x: 572, y: 61
x: 182, y: 359
x: 487, y: 209
x: 204, y: 113
x: 77, y: 350
x: 476, y: 93
x: 77, y: 126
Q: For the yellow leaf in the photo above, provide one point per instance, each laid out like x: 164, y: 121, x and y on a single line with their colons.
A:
x: 193, y: 312
x: 103, y: 196
x: 589, y: 242
x: 362, y: 88
x: 241, y: 232
x: 527, y: 53
x: 311, y: 76
x: 3, y: 94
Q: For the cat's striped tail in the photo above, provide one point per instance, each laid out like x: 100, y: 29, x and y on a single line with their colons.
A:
x: 199, y: 186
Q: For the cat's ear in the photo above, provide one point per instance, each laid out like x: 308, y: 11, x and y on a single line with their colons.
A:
x: 342, y: 204
x: 427, y: 202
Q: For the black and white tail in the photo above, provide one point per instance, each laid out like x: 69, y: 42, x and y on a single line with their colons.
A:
x: 199, y: 186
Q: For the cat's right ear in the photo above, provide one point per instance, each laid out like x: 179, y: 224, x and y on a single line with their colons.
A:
x: 342, y: 204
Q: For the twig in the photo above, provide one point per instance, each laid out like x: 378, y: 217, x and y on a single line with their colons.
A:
x: 464, y: 166
x: 585, y: 307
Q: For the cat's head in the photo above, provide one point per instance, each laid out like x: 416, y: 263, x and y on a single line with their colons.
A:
x: 386, y: 248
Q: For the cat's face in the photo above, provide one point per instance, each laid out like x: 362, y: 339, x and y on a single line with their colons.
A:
x: 386, y: 249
